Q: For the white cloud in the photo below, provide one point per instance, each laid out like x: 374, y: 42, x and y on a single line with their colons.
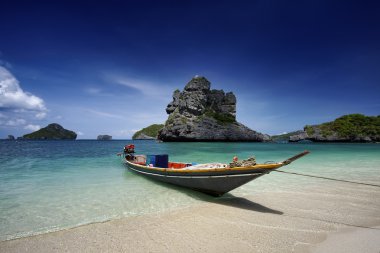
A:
x: 13, y: 97
x: 32, y: 127
x: 41, y: 115
x: 15, y: 122
x: 79, y: 133
x: 92, y: 91
x: 105, y: 114
x: 19, y: 108
x: 145, y: 87
x: 95, y: 91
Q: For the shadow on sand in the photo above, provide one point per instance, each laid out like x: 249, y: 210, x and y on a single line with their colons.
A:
x: 227, y: 199
x: 243, y: 203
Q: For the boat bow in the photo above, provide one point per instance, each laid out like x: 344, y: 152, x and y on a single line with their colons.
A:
x: 213, y: 181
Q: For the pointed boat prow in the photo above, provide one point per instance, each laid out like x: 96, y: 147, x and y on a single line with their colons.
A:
x: 293, y: 158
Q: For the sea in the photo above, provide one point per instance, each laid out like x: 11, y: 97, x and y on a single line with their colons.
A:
x: 48, y: 186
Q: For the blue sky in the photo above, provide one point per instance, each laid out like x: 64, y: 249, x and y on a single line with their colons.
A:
x: 110, y: 67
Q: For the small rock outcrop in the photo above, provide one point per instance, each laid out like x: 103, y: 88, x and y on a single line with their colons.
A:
x: 104, y: 137
x: 298, y: 136
x: 144, y: 137
x: 285, y: 137
x: 148, y: 133
x: 10, y: 137
x: 348, y: 128
x: 200, y: 114
x: 51, y: 132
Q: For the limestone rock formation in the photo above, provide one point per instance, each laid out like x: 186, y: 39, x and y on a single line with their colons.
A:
x: 286, y: 137
x: 298, y: 136
x: 200, y: 114
x: 51, y: 132
x: 104, y: 137
x: 143, y: 136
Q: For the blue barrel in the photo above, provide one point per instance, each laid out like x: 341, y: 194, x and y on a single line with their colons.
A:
x: 151, y: 159
x: 162, y: 161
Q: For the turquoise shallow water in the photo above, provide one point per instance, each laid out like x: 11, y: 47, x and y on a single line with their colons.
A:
x: 52, y: 185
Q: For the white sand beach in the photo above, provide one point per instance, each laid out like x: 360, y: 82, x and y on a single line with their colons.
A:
x: 341, y: 218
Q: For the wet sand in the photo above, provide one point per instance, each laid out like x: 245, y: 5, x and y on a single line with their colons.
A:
x: 350, y: 241
x: 340, y: 218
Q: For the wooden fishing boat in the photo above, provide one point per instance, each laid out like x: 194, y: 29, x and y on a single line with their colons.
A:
x: 214, y: 179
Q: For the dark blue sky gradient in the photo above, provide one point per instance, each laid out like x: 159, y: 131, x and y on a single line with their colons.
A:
x: 290, y: 63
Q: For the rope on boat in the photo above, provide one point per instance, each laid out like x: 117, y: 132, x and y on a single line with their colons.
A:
x: 328, y: 178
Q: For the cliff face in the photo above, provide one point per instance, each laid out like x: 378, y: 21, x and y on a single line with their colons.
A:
x: 200, y: 114
x: 51, y: 132
x: 348, y: 128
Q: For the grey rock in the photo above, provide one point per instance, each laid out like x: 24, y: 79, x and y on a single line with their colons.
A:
x: 174, y: 104
x: 104, y: 137
x: 193, y: 102
x: 299, y: 136
x: 223, y: 103
x: 143, y: 137
x: 364, y: 139
x: 198, y: 84
x: 200, y: 114
x: 10, y: 137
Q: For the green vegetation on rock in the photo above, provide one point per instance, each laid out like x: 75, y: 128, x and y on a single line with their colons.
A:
x: 309, y: 130
x: 348, y: 128
x: 353, y: 125
x: 150, y: 131
x: 51, y: 132
x: 223, y: 118
x: 283, y: 137
x: 170, y: 119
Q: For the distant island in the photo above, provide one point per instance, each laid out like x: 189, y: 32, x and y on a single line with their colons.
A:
x: 148, y: 133
x: 51, y: 132
x: 201, y: 114
x: 348, y: 128
x: 10, y: 138
x: 104, y: 137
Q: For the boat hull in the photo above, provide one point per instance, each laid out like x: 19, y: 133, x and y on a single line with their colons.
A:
x: 215, y: 184
x: 213, y: 181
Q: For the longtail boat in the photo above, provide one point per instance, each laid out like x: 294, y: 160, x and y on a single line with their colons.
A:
x: 214, y: 179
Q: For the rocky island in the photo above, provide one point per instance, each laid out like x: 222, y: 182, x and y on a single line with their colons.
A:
x: 104, y: 137
x: 10, y: 138
x: 201, y: 114
x: 51, y: 132
x: 348, y: 128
